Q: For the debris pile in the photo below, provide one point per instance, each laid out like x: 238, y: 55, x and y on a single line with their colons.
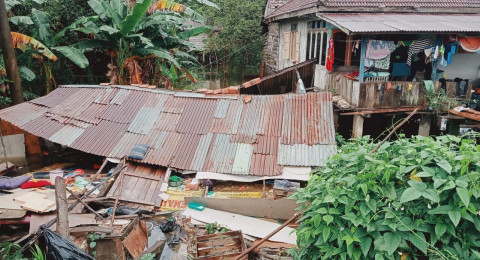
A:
x: 93, y: 212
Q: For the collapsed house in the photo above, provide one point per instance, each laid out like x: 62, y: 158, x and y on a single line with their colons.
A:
x: 382, y: 57
x: 227, y: 137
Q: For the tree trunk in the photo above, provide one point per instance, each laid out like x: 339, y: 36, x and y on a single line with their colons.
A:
x: 9, y: 56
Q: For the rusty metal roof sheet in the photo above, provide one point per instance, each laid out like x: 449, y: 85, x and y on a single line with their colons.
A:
x: 352, y: 23
x: 311, y: 6
x: 253, y: 135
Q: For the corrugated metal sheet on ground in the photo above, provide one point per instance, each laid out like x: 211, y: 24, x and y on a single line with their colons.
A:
x: 405, y: 22
x: 214, y: 134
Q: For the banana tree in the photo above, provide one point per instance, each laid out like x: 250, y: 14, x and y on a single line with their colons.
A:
x: 45, y: 43
x: 136, y: 33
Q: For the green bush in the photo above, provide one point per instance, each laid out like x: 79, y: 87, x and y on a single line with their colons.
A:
x: 412, y: 199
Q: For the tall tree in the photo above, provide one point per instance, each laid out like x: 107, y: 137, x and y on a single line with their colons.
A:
x: 9, y: 56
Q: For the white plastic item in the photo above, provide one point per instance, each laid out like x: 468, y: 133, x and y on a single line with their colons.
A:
x: 54, y: 174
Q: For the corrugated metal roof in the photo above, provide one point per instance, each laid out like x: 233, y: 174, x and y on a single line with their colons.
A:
x: 352, y: 23
x: 312, y: 6
x: 214, y: 134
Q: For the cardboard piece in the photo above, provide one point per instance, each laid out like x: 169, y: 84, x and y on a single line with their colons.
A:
x: 38, y: 205
x: 261, y: 208
x: 29, y: 196
x: 248, y: 225
x: 73, y: 220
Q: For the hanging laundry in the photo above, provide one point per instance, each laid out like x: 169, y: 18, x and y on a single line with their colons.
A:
x: 416, y: 47
x: 377, y: 49
x: 435, y: 54
x: 330, y: 55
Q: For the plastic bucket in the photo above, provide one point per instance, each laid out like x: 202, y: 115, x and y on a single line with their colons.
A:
x: 54, y: 174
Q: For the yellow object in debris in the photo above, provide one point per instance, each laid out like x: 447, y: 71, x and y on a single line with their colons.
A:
x: 410, y: 86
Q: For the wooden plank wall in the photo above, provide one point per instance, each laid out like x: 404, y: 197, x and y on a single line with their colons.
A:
x: 32, y: 143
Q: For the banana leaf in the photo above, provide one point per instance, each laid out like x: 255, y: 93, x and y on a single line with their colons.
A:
x: 134, y: 17
x: 42, y: 24
x: 24, y: 42
x: 73, y: 54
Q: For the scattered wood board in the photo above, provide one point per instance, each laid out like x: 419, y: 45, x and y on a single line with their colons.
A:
x: 137, y: 240
x: 248, y: 225
x: 38, y: 205
x: 30, y: 196
x: 73, y: 220
x: 12, y: 213
x: 224, y: 245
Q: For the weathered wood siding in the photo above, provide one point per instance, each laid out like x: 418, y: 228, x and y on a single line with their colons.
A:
x: 367, y: 94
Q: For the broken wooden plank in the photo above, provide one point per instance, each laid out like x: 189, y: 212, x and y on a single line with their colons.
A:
x: 380, y: 111
x: 97, y: 229
x: 221, y: 245
x: 136, y: 241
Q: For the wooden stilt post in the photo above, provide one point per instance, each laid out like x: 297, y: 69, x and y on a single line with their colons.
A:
x: 62, y: 207
x: 424, y: 125
x: 357, y: 126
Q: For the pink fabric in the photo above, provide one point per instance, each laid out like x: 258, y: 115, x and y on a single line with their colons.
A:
x: 377, y: 50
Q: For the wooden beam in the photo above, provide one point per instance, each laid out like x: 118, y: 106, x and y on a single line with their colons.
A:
x: 379, y: 111
x: 361, y: 76
x: 394, y: 129
x: 469, y: 115
x: 100, y: 169
x: 86, y: 205
x: 62, y: 207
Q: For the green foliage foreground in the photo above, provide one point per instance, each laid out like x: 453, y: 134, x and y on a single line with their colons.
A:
x: 412, y: 199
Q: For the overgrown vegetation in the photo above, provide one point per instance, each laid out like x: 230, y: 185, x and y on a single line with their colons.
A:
x: 236, y: 39
x: 411, y: 199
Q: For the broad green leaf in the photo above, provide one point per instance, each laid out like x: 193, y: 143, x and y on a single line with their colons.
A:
x: 440, y: 229
x: 193, y: 32
x: 42, y: 24
x: 431, y: 195
x: 112, y: 13
x: 11, y: 3
x: 464, y: 195
x: 26, y: 73
x: 174, y: 73
x: 418, y: 185
x: 455, y: 216
x: 329, y: 199
x: 410, y: 194
x: 159, y: 53
x: 316, y: 220
x: 392, y: 241
x: 475, y: 253
x: 365, y: 245
x: 321, y: 211
x: 73, y: 54
x: 98, y: 8
x: 445, y: 165
x: 87, y: 30
x: 418, y: 240
x: 326, y: 233
x: 109, y: 29
x: 134, y: 16
x: 348, y: 239
x: 328, y: 219
x: 82, y: 20
x: 19, y: 20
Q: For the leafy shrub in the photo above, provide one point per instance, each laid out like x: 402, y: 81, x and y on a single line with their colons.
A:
x: 412, y: 199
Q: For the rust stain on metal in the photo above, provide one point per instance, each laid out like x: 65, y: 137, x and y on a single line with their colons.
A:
x: 184, y: 131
